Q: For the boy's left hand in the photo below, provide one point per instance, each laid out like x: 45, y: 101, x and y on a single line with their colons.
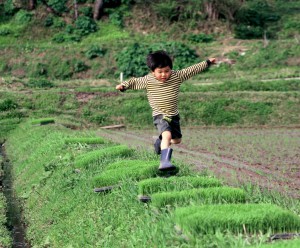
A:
x: 212, y: 60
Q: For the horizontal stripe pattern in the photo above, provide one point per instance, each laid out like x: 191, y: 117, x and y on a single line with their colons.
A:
x: 163, y: 96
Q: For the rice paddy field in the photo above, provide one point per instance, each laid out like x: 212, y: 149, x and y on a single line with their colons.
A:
x: 59, y: 174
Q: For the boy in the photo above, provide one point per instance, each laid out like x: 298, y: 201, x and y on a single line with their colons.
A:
x: 162, y: 87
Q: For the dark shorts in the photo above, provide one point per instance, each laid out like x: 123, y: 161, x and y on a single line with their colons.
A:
x: 171, y: 124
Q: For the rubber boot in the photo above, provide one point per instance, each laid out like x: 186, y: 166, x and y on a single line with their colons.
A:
x: 165, y: 163
x: 157, y: 146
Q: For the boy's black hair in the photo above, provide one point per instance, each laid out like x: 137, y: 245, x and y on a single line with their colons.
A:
x: 159, y: 59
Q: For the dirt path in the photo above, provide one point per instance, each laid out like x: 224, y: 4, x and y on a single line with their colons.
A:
x: 232, y: 172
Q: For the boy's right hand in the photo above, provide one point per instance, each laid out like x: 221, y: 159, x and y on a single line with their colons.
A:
x: 120, y: 87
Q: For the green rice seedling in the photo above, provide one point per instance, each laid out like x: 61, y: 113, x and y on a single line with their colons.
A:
x: 127, y: 163
x: 203, y: 195
x: 154, y: 185
x: 43, y: 121
x: 135, y: 169
x: 93, y: 156
x: 237, y: 218
x: 87, y: 140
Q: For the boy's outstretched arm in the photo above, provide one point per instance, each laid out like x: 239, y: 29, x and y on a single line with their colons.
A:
x: 212, y: 61
x: 120, y: 87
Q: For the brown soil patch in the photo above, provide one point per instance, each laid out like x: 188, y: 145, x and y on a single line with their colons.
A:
x: 231, y: 171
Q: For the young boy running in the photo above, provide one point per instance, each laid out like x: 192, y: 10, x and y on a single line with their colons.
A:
x: 162, y: 87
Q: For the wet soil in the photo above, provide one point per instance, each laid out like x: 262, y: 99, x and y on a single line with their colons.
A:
x: 15, y: 223
x: 232, y: 171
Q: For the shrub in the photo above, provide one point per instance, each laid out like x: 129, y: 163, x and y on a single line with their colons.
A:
x: 168, y: 10
x: 80, y: 66
x: 132, y: 60
x: 85, y: 25
x: 39, y: 83
x: 254, y: 18
x: 5, y: 31
x: 86, y: 11
x: 254, y: 218
x: 23, y: 17
x: 39, y: 70
x: 62, y: 70
x: 199, y: 38
x: 95, y: 51
x: 48, y: 22
x: 58, y: 5
x: 153, y: 185
x: 8, y: 104
x: 10, y: 8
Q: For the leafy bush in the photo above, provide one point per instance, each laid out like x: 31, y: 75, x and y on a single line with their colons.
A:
x: 62, y: 69
x: 5, y: 31
x: 10, y: 8
x: 254, y: 18
x: 8, y: 104
x: 23, y: 17
x: 58, y: 5
x: 248, y: 32
x: 168, y: 10
x: 80, y: 66
x: 132, y: 60
x: 39, y: 70
x: 199, y: 38
x: 95, y: 51
x: 116, y: 17
x: 86, y: 11
x: 39, y: 83
x: 49, y: 21
x: 85, y: 25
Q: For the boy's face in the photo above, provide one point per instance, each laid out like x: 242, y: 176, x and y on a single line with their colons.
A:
x: 162, y: 74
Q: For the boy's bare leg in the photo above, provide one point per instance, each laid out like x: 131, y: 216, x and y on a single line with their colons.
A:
x: 166, y: 140
x: 175, y: 141
x: 166, y: 152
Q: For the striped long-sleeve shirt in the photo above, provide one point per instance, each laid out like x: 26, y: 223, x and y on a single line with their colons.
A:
x: 163, y: 96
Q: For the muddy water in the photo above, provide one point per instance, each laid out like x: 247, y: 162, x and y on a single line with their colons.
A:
x: 14, y: 213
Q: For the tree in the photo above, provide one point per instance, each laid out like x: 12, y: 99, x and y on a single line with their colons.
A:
x: 32, y: 4
x: 98, y: 9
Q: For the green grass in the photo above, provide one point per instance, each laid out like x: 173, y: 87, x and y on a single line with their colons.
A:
x: 154, y: 185
x: 282, y: 244
x: 83, y: 140
x: 237, y: 218
x: 198, y: 196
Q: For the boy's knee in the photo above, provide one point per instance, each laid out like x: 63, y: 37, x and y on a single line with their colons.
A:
x: 176, y: 141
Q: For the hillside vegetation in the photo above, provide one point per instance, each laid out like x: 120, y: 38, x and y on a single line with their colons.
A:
x: 78, y: 61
